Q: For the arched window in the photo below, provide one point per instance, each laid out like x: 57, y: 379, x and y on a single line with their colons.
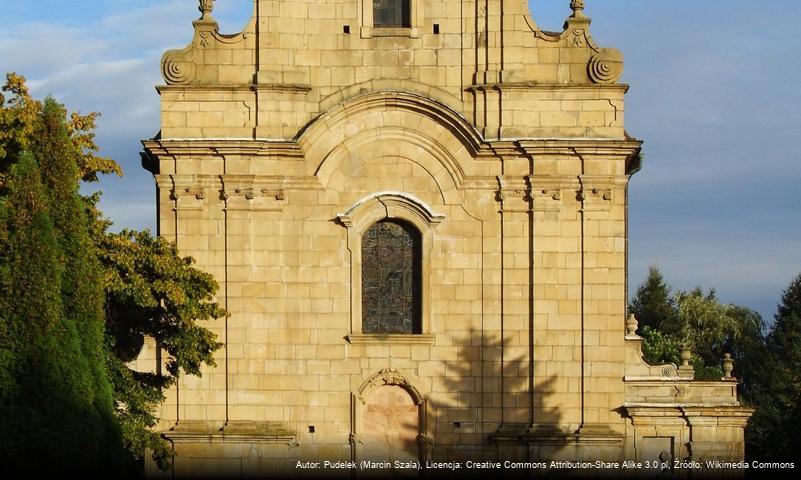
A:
x: 391, y: 14
x: 391, y: 279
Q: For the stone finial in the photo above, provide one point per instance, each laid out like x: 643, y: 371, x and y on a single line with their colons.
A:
x: 631, y: 325
x: 685, y: 369
x: 728, y: 366
x: 206, y: 7
x: 578, y: 8
x: 686, y: 355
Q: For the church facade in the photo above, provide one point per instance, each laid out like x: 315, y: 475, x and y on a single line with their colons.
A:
x: 417, y: 214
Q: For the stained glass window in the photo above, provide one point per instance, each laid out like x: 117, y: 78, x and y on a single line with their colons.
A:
x: 391, y: 278
x: 391, y: 13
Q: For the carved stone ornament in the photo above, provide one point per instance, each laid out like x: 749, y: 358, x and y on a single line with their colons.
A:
x: 631, y: 325
x: 686, y: 355
x: 177, y: 72
x: 728, y: 366
x: 686, y: 369
x: 578, y: 7
x: 578, y: 39
x: 604, y: 194
x: 552, y: 193
x: 205, y: 8
x: 389, y: 376
x: 197, y: 192
x: 606, y: 66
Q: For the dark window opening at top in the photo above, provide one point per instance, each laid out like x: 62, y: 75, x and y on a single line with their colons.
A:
x: 391, y: 14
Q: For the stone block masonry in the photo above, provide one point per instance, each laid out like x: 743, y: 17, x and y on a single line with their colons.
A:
x: 502, y: 149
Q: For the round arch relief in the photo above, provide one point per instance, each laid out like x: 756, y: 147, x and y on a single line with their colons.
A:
x: 418, y: 128
x: 390, y: 419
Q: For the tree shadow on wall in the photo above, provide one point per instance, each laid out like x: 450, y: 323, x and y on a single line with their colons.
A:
x: 484, y: 408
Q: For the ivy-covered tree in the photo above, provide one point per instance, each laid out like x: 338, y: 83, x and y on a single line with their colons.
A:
x: 74, y: 298
x: 57, y: 413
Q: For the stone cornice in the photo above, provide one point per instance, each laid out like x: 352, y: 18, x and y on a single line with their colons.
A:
x: 280, y: 87
x: 692, y: 410
x: 386, y: 339
x: 581, y: 146
x: 544, y: 87
x: 489, y: 150
x: 235, y: 432
x: 212, y: 147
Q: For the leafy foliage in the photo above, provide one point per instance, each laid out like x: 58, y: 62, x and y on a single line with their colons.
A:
x: 73, y: 296
x: 18, y: 116
x: 699, y: 321
x: 658, y: 347
x: 712, y: 329
x: 90, y: 165
x: 82, y: 290
x: 785, y: 338
x: 154, y: 292
x: 57, y: 411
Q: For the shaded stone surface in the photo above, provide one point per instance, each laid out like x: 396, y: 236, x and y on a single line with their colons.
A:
x: 391, y: 426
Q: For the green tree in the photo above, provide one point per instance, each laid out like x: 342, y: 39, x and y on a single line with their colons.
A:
x: 659, y: 347
x: 702, y: 323
x: 31, y: 314
x: 57, y: 411
x: 653, y: 304
x: 711, y: 329
x: 82, y: 289
x: 778, y: 390
x: 74, y: 298
x: 18, y: 116
x: 154, y: 292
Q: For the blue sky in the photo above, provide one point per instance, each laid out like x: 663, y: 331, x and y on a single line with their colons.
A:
x: 713, y: 95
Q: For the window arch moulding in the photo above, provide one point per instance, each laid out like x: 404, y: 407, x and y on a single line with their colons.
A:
x: 360, y: 217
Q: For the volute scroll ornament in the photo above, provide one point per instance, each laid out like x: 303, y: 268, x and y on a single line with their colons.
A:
x: 177, y: 71
x: 606, y: 66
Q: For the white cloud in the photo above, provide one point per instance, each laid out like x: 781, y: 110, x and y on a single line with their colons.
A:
x: 110, y: 66
x: 710, y: 96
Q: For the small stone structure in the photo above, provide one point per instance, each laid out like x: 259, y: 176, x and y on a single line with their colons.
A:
x: 416, y: 211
